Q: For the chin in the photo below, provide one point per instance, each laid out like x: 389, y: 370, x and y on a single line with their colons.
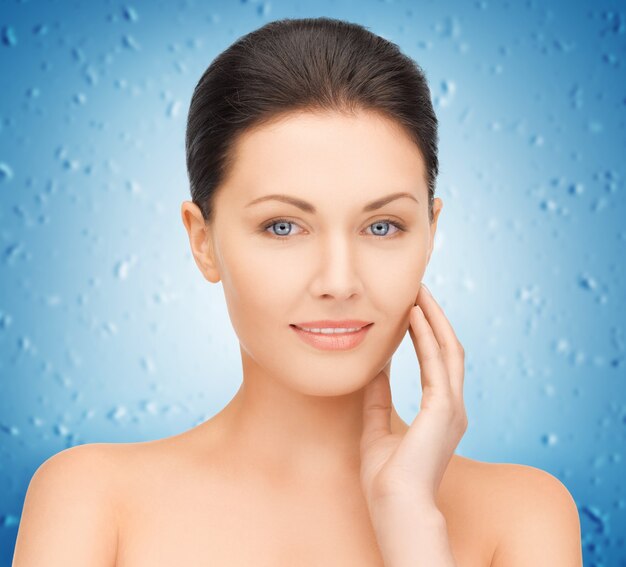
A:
x: 331, y: 377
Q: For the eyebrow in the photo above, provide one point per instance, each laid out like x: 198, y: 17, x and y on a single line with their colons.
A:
x: 309, y: 208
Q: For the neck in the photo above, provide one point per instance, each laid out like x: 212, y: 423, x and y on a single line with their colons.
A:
x: 271, y: 428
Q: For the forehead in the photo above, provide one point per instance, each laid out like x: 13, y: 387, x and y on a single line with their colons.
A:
x: 311, y: 152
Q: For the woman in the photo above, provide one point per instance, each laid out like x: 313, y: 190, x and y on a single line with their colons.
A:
x: 312, y: 158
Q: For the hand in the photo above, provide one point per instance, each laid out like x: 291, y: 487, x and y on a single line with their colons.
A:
x: 411, y: 465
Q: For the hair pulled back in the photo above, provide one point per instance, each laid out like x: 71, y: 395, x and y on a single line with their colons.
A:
x: 295, y: 65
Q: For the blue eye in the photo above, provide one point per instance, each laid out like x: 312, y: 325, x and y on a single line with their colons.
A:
x: 386, y: 222
x: 283, y: 226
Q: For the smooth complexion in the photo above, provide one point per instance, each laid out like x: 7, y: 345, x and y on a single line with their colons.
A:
x: 298, y: 412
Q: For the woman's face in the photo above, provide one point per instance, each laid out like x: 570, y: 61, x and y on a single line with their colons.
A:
x: 334, y: 259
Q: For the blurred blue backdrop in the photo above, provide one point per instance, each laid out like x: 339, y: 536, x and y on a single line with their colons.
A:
x: 109, y: 333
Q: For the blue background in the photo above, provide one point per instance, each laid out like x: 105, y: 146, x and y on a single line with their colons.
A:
x: 109, y: 333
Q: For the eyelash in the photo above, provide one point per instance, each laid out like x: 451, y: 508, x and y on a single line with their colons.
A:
x: 398, y: 225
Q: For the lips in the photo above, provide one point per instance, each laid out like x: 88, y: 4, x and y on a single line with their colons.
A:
x: 329, y: 324
x: 333, y: 341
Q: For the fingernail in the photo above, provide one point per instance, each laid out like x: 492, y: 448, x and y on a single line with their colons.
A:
x: 427, y: 290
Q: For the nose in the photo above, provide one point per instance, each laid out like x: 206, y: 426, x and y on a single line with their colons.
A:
x: 337, y: 269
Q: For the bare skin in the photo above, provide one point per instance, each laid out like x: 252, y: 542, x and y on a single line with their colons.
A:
x: 274, y: 477
x: 185, y: 502
x: 191, y: 500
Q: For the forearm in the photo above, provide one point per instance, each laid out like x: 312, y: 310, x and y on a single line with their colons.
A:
x: 410, y: 535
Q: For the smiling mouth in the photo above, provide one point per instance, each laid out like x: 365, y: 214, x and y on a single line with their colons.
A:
x: 331, y: 330
x: 329, y: 340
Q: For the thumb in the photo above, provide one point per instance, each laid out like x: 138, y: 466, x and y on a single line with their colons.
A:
x: 376, y: 409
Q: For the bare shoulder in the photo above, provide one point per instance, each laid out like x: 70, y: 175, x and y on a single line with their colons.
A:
x: 541, y: 524
x: 530, y: 513
x: 69, y: 513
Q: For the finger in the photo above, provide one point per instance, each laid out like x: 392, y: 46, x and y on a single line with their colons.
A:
x: 376, y: 409
x: 446, y: 337
x: 433, y: 371
x: 451, y: 348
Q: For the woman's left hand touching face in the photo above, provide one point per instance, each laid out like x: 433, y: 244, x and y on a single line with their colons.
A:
x: 409, y: 467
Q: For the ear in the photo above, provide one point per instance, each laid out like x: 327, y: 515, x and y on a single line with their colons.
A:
x: 201, y: 241
x: 437, y: 206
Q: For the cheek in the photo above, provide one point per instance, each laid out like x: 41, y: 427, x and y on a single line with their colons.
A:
x: 396, y: 281
x: 259, y: 288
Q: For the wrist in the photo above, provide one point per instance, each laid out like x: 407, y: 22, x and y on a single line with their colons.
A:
x: 412, y: 533
x: 423, y: 516
x: 417, y: 507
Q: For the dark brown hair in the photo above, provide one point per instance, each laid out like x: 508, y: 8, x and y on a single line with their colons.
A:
x: 307, y: 64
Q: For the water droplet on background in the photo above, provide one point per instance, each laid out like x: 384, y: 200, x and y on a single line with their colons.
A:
x: 9, y: 36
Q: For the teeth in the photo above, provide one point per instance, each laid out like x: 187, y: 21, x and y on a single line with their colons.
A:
x: 331, y: 331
